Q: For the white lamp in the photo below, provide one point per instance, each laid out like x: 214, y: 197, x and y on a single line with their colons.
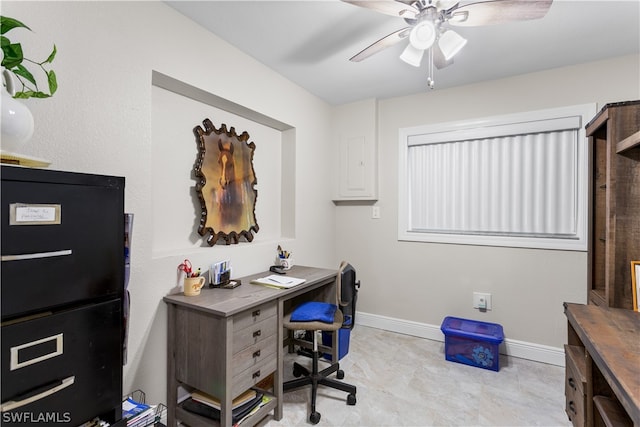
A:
x: 421, y: 38
x: 450, y: 43
x: 412, y: 56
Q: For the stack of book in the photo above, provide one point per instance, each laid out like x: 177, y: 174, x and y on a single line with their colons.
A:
x: 138, y: 414
x: 243, y: 406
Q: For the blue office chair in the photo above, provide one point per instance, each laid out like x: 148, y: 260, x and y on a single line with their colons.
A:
x: 323, y: 316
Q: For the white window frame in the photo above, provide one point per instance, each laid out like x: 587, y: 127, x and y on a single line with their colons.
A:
x: 576, y: 116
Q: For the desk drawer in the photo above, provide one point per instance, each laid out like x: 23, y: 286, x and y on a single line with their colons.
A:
x: 575, y: 384
x: 69, y: 360
x: 60, y: 241
x: 251, y: 317
x: 254, y: 334
x: 250, y: 377
x: 255, y: 354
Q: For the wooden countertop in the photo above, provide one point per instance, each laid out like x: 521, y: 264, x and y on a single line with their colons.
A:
x: 612, y: 337
x: 227, y: 302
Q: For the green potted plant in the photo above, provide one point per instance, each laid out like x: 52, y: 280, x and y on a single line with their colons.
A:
x: 14, y: 61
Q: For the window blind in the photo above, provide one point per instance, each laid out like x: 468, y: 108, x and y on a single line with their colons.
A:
x: 513, y: 185
x: 515, y: 180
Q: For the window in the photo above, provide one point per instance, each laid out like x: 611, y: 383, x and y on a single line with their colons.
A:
x: 518, y: 180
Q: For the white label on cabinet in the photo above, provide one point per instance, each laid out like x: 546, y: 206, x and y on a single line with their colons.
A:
x: 34, y: 214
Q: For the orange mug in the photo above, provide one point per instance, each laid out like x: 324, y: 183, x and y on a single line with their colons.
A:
x: 192, y: 285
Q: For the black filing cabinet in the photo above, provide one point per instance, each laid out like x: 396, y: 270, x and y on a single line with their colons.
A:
x: 62, y: 283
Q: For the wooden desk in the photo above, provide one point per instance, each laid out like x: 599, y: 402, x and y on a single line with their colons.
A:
x: 603, y: 366
x: 225, y: 341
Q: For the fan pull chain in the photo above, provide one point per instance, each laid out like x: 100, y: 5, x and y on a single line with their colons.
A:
x: 430, y: 82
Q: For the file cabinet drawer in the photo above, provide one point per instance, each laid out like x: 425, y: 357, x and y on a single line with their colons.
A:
x: 62, y: 239
x: 67, y: 364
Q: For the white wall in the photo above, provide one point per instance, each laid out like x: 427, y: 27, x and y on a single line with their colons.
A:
x: 101, y: 120
x: 424, y: 282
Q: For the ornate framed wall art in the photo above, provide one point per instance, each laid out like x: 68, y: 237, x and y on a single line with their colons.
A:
x: 226, y: 184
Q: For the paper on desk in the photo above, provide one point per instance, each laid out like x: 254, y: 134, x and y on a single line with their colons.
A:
x: 277, y: 281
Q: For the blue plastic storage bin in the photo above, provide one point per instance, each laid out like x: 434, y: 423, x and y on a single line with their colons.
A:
x: 472, y: 342
x: 344, y: 334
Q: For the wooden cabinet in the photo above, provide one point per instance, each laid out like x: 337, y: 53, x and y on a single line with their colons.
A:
x: 614, y: 141
x: 602, y: 369
x: 225, y: 341
x: 203, y: 362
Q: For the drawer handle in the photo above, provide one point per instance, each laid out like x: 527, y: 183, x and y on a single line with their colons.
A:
x: 256, y: 354
x: 256, y: 313
x: 36, y: 255
x: 257, y: 333
x: 15, y: 363
x: 572, y: 407
x: 13, y: 404
x: 572, y: 383
x: 256, y: 374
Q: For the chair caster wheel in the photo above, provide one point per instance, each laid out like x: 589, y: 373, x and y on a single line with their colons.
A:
x: 315, y: 417
x: 340, y: 374
x: 351, y: 399
x: 297, y: 371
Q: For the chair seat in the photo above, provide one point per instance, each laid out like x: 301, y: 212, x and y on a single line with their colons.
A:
x: 338, y: 319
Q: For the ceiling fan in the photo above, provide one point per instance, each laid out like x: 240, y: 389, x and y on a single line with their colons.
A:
x: 428, y: 21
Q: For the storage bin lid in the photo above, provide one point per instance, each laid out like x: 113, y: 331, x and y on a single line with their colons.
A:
x: 484, y: 331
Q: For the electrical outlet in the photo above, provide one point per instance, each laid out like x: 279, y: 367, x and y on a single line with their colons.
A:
x: 482, y: 301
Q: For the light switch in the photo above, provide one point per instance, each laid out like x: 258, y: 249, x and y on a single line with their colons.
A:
x: 375, y: 212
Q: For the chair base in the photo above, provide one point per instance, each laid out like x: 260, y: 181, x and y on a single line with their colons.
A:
x: 316, y: 378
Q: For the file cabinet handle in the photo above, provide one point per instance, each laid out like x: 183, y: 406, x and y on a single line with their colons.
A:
x: 572, y: 407
x: 13, y: 404
x: 37, y: 255
x: 15, y: 363
x: 255, y: 313
x: 256, y: 354
x: 256, y: 374
x: 572, y: 383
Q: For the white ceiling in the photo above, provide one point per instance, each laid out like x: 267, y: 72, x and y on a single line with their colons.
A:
x: 310, y: 43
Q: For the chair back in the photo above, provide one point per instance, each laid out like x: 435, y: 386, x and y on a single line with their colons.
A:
x: 347, y: 293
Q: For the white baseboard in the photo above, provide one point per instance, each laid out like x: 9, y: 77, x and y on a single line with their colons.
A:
x: 510, y: 347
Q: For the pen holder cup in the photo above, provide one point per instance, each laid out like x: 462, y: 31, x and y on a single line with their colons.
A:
x: 192, y: 285
x: 285, y: 263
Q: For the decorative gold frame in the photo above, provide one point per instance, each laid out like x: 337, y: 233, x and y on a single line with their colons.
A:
x: 226, y: 184
x: 635, y: 284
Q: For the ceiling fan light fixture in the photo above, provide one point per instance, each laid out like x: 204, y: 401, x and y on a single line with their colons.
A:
x: 451, y: 43
x: 412, y: 56
x: 423, y: 35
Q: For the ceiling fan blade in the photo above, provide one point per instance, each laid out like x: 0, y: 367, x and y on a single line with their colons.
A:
x: 388, y: 7
x: 381, y: 44
x: 438, y: 57
x: 498, y: 12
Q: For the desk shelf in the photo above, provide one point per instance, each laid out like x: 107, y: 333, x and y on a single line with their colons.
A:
x: 611, y: 412
x: 195, y: 420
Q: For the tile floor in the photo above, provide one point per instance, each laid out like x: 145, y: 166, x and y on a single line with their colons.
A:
x: 406, y: 381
